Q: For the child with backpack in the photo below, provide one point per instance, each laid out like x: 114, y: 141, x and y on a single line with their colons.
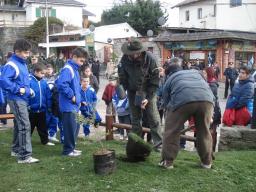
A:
x: 40, y: 103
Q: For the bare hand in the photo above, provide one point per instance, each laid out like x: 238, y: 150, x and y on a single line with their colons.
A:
x: 144, y: 103
x: 74, y: 99
x: 22, y: 91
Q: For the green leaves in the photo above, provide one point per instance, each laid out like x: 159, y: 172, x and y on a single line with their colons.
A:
x: 141, y: 15
x: 37, y: 32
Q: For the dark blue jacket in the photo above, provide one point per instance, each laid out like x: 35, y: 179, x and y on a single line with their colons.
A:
x: 241, y: 94
x: 41, y: 102
x: 14, y: 75
x: 231, y: 74
x: 68, y: 85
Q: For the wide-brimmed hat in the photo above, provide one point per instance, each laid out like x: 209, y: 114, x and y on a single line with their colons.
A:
x: 133, y: 46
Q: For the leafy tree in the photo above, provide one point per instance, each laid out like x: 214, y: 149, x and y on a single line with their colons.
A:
x: 36, y: 32
x: 142, y: 15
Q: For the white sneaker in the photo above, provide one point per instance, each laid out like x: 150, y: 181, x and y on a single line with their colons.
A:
x: 73, y: 154
x: 14, y: 154
x: 54, y: 139
x: 29, y: 160
x: 77, y: 151
x: 206, y: 166
x: 50, y: 144
x: 121, y: 137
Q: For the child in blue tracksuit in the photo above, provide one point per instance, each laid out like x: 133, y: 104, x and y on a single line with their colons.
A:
x: 52, y: 120
x: 69, y: 89
x: 40, y: 103
x: 121, y: 105
x: 88, y: 104
x: 15, y: 80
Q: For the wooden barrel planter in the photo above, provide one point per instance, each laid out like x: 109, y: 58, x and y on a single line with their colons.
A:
x: 104, y: 162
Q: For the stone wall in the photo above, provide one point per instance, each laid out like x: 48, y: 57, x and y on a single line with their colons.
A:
x: 146, y: 41
x: 237, y: 138
x: 8, y: 36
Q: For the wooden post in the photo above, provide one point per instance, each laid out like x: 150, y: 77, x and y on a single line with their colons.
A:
x: 109, y: 127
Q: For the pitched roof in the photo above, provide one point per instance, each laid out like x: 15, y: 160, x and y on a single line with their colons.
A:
x: 168, y: 36
x: 12, y: 8
x: 88, y: 13
x: 58, y: 2
x: 186, y: 2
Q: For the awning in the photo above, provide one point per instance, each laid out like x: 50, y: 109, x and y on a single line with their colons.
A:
x: 64, y: 44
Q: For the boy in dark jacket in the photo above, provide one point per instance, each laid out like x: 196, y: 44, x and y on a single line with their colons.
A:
x: 40, y: 103
x: 15, y: 80
x: 70, y: 99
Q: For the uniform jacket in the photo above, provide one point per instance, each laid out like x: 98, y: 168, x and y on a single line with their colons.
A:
x: 142, y: 75
x: 15, y: 75
x: 41, y: 102
x: 89, y: 96
x: 121, y: 105
x: 185, y: 86
x: 68, y: 85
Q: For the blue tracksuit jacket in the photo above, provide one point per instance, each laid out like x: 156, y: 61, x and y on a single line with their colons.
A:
x: 42, y: 100
x: 68, y: 86
x: 14, y: 75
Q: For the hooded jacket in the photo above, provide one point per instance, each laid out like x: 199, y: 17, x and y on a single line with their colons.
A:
x: 184, y: 87
x: 15, y: 75
x: 241, y: 94
x: 41, y: 102
x: 68, y: 85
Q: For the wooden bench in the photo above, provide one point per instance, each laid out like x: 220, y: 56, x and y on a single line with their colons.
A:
x: 6, y: 116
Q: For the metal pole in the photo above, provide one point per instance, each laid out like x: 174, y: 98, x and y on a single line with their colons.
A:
x: 47, y: 29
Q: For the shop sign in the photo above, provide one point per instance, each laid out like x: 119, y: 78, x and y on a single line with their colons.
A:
x: 243, y: 46
x: 192, y: 45
x: 89, y: 39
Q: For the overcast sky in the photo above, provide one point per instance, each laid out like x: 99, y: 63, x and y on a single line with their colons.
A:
x: 97, y: 7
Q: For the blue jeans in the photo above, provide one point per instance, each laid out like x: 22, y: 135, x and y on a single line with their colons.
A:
x: 70, y: 130
x: 22, y: 131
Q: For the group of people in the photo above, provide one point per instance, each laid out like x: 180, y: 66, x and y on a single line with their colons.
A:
x: 141, y: 94
x: 41, y: 99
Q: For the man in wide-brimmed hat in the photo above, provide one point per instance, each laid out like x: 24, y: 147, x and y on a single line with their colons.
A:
x: 139, y: 74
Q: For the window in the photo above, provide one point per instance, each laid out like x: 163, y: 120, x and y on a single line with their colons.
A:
x: 41, y: 12
x: 235, y: 3
x: 38, y: 12
x: 214, y: 10
x: 187, y: 15
x: 199, y: 13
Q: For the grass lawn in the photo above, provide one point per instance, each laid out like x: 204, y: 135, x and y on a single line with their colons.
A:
x: 232, y: 171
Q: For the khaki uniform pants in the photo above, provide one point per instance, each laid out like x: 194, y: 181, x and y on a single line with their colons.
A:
x: 174, y: 122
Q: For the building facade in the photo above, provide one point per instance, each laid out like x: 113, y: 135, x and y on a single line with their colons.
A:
x: 209, y: 47
x: 237, y: 15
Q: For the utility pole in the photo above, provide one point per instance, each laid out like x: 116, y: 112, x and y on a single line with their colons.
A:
x: 47, y: 29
